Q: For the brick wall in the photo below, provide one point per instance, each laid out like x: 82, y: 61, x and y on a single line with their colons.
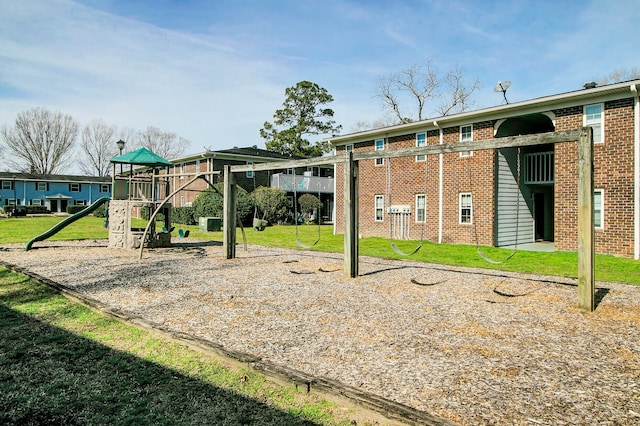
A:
x: 613, y: 164
x: 461, y: 174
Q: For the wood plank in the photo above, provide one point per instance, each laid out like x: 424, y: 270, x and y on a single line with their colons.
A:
x: 229, y: 214
x: 586, y: 249
x: 496, y: 143
x: 351, y: 217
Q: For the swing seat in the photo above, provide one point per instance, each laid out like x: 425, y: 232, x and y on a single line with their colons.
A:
x: 495, y: 262
x: 401, y: 253
x: 183, y: 234
x: 259, y: 224
x: 303, y: 245
x: 167, y: 231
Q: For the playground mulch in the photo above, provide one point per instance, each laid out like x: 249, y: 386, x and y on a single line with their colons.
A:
x: 471, y: 346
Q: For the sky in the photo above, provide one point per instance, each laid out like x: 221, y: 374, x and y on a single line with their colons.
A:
x: 213, y: 71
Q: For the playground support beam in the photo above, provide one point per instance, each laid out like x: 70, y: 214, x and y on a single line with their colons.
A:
x: 229, y: 214
x: 586, y: 242
x: 351, y: 249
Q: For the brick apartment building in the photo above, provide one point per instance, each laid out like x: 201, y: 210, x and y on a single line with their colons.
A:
x: 503, y: 197
x: 315, y: 180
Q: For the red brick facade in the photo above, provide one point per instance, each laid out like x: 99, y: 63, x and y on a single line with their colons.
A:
x: 476, y: 174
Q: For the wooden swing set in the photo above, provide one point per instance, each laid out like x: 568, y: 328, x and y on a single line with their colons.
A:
x: 350, y: 161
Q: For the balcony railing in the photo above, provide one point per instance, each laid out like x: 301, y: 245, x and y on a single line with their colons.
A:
x: 538, y: 168
x: 313, y: 184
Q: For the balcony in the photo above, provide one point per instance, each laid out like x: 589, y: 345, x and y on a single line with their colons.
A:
x: 538, y: 168
x: 312, y: 184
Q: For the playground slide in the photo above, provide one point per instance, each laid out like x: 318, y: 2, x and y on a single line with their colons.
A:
x: 67, y: 221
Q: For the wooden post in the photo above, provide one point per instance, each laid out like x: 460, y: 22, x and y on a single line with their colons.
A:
x: 229, y: 214
x: 351, y: 217
x: 586, y: 246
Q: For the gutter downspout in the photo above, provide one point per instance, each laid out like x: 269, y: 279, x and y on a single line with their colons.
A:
x: 440, y: 183
x: 636, y: 173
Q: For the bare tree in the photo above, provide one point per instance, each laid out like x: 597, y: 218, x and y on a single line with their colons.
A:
x: 41, y: 141
x: 98, y: 147
x: 423, y: 85
x: 166, y: 144
x: 362, y: 125
x: 618, y: 76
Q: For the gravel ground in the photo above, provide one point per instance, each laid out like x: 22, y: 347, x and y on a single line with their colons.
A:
x: 473, y: 346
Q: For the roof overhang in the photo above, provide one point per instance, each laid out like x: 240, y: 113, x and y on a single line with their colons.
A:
x: 578, y: 97
x: 58, y: 197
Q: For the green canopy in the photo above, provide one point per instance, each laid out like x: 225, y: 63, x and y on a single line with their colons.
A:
x: 142, y: 157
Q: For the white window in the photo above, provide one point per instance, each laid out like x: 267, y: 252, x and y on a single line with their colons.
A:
x: 41, y: 186
x: 466, y: 208
x: 379, y: 208
x: 11, y: 201
x: 104, y: 187
x: 74, y: 187
x: 80, y: 203
x: 197, y: 166
x: 181, y: 170
x: 7, y: 184
x: 36, y: 202
x: 421, y: 140
x: 379, y: 147
x: 182, y: 201
x: 466, y: 135
x: 249, y: 173
x: 593, y: 118
x: 598, y: 208
x: 421, y: 208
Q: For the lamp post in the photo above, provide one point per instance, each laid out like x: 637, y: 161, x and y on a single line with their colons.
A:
x: 120, y: 144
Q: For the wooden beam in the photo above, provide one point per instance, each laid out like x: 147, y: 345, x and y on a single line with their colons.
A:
x: 229, y: 214
x: 586, y: 245
x: 496, y: 143
x: 351, y: 248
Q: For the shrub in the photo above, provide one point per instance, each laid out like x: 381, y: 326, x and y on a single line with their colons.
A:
x: 309, y: 204
x: 75, y: 209
x: 183, y: 215
x: 146, y: 212
x: 272, y: 204
x: 37, y: 210
x: 210, y: 203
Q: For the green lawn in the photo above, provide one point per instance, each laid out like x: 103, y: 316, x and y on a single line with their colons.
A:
x: 608, y: 268
x: 62, y: 363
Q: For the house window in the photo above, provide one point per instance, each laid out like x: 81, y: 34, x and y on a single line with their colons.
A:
x: 249, y: 173
x: 105, y: 187
x: 466, y: 208
x: 42, y: 186
x: 379, y: 147
x: 182, y: 201
x: 349, y: 148
x: 379, y: 208
x: 74, y: 187
x: 197, y: 166
x: 593, y: 118
x: 598, y: 209
x: 36, y: 202
x: 421, y: 208
x: 182, y: 167
x: 10, y: 201
x: 466, y: 135
x: 421, y: 140
x: 7, y: 184
x: 80, y: 202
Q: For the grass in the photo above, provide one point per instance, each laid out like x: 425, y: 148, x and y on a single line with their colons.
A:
x: 62, y: 363
x: 607, y: 268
